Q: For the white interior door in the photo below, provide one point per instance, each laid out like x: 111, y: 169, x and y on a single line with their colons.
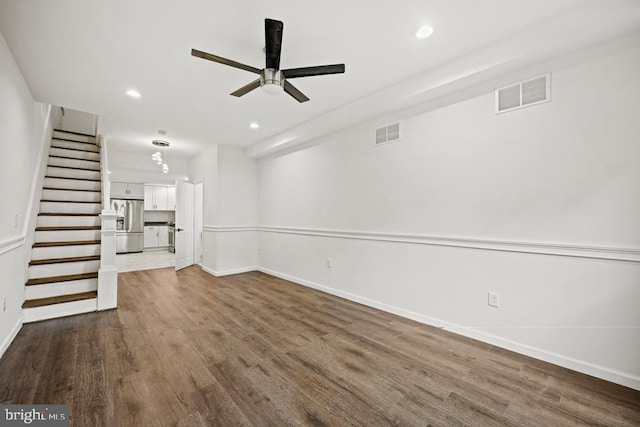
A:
x: 199, y: 220
x: 184, y: 225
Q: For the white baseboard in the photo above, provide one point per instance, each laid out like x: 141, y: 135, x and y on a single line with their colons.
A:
x: 228, y: 272
x: 14, y: 332
x: 602, y: 372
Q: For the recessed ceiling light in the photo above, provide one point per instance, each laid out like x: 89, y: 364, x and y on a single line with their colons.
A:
x: 133, y: 93
x: 254, y: 125
x: 424, y: 32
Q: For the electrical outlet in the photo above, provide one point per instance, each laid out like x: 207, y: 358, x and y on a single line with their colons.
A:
x: 4, y: 304
x: 329, y: 263
x: 494, y: 299
x: 15, y: 221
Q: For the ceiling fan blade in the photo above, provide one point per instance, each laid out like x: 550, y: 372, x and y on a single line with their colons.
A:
x: 292, y: 73
x: 247, y: 88
x: 225, y: 61
x: 273, y: 42
x: 293, y: 91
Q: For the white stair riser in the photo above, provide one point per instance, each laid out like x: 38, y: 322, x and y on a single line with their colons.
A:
x: 64, y: 251
x: 70, y: 195
x: 67, y: 235
x: 59, y: 310
x: 59, y: 207
x: 60, y: 221
x: 63, y: 269
x: 72, y: 183
x: 60, y: 288
x: 84, y: 164
x: 77, y: 145
x: 73, y: 136
x: 83, y: 155
x: 72, y: 173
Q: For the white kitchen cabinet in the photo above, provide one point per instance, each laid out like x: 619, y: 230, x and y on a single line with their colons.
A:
x: 148, y: 198
x: 163, y: 236
x: 156, y: 236
x: 171, y: 198
x: 126, y: 190
x: 151, y: 237
x: 155, y: 198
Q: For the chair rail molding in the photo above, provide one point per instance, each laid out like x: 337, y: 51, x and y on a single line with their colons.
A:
x: 580, y: 251
x: 229, y: 228
x: 12, y: 244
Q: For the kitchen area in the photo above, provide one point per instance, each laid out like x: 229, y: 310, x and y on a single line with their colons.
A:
x: 145, y: 226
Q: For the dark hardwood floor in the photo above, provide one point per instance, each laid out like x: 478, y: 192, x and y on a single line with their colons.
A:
x: 189, y: 349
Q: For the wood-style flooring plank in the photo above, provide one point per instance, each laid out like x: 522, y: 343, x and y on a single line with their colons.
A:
x: 93, y: 390
x: 189, y: 349
x: 25, y: 362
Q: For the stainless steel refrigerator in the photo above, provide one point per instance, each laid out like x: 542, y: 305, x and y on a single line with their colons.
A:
x: 129, y: 225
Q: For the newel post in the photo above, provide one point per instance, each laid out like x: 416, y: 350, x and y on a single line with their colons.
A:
x: 108, y: 273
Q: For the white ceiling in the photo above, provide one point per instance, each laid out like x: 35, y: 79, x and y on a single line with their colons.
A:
x: 85, y: 54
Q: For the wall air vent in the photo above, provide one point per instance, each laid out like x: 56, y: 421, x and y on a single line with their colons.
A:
x: 387, y: 134
x: 524, y: 94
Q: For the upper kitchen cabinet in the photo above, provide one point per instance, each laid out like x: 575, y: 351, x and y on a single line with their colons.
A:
x: 171, y: 198
x: 127, y: 190
x: 159, y: 198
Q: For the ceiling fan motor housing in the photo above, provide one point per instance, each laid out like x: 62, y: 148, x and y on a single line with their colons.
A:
x: 271, y: 76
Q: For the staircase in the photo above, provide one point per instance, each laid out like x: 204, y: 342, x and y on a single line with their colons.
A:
x: 65, y: 258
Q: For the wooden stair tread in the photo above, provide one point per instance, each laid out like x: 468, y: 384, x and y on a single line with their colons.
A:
x: 70, y: 177
x: 68, y: 227
x: 73, y: 158
x: 67, y: 243
x: 66, y: 214
x: 74, y: 133
x: 66, y: 278
x: 73, y: 167
x: 59, y: 299
x: 73, y: 140
x: 76, y: 149
x: 69, y: 201
x: 70, y: 189
x: 63, y: 260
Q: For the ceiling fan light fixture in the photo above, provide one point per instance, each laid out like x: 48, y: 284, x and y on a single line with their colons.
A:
x: 271, y: 82
x: 271, y: 88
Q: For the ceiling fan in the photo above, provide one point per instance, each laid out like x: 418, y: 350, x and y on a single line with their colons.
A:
x: 272, y: 79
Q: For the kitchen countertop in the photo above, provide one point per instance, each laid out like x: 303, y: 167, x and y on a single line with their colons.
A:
x: 157, y: 223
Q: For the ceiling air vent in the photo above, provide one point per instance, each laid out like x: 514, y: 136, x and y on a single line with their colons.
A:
x: 524, y: 94
x: 387, y: 134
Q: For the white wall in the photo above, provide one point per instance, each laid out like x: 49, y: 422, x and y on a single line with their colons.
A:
x: 237, y: 188
x: 229, y: 179
x: 204, y: 168
x: 23, y: 133
x: 78, y: 121
x: 538, y: 204
x: 126, y: 166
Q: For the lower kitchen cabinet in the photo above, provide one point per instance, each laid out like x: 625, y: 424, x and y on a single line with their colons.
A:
x: 163, y: 236
x: 156, y: 236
